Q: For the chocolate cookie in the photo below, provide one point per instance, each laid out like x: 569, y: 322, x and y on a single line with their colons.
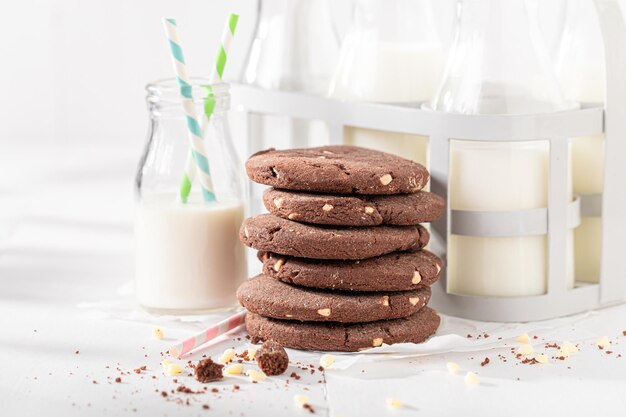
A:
x: 398, y: 271
x: 352, y: 210
x: 270, y: 233
x: 344, y: 337
x: 272, y: 358
x: 337, y: 169
x: 272, y: 298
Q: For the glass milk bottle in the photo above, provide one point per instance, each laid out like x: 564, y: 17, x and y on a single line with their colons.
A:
x: 499, y: 65
x: 580, y: 70
x: 188, y: 255
x: 295, y: 48
x: 392, y: 54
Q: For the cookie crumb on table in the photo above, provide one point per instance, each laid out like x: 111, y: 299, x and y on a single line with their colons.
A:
x: 208, y: 371
x: 272, y: 358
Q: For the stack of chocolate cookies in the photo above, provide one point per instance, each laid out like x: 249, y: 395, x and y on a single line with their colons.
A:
x: 344, y: 267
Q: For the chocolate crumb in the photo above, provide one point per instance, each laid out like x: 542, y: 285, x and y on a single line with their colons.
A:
x: 295, y: 376
x: 163, y: 393
x: 207, y: 371
x: 484, y: 362
x: 272, y: 358
x: 608, y: 352
x: 214, y: 390
x: 308, y: 407
x: 94, y: 382
x: 118, y: 379
x: 235, y: 387
x: 77, y: 352
x: 186, y: 390
x: 624, y: 332
x: 205, y: 406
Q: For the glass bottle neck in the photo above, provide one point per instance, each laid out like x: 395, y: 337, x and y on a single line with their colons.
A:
x: 164, y: 97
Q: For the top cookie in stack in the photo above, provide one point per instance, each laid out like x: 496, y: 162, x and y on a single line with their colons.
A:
x: 343, y: 265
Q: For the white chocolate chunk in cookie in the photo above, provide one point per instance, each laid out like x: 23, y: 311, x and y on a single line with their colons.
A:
x: 278, y: 202
x: 386, y: 179
x: 278, y: 265
x: 377, y: 341
x: 324, y: 312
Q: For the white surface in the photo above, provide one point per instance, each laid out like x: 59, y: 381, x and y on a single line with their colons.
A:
x: 71, y: 244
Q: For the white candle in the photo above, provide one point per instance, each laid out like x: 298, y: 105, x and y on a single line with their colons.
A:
x: 487, y: 176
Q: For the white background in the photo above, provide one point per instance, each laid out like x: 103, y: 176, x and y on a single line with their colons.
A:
x: 72, y: 125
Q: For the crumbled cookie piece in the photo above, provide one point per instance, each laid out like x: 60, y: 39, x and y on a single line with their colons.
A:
x: 272, y: 358
x: 207, y: 371
x: 523, y: 338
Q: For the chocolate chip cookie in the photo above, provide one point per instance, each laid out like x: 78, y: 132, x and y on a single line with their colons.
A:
x: 344, y: 337
x: 398, y: 271
x: 270, y: 233
x: 354, y: 210
x: 337, y: 169
x: 272, y: 298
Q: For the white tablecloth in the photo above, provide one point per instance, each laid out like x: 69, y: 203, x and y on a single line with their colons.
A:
x: 68, y: 326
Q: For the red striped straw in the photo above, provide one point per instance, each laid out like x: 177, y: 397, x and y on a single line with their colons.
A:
x: 231, y: 323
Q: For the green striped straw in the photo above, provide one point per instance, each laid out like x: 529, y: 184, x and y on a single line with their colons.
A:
x: 209, y: 100
x: 195, y: 132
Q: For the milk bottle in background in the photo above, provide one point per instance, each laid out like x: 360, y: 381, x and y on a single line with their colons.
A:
x: 295, y: 48
x: 188, y: 255
x: 392, y: 54
x: 498, y: 65
x: 580, y: 69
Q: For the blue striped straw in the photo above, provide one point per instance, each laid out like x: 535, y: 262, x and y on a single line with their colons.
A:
x: 195, y: 132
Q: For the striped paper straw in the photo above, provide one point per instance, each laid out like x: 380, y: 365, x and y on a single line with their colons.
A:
x: 224, y: 326
x: 209, y: 100
x: 198, y: 151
